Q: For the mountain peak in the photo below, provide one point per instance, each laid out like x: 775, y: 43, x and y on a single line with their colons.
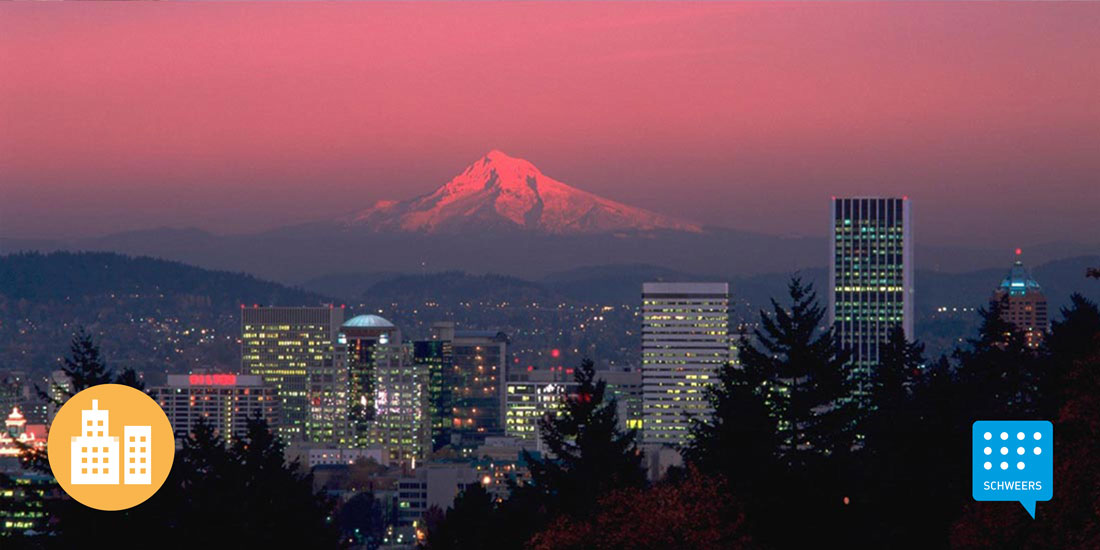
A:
x: 499, y: 191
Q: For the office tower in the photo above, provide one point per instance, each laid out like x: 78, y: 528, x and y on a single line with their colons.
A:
x: 294, y: 349
x: 387, y: 391
x: 476, y: 382
x: 531, y: 395
x: 685, y: 341
x: 368, y: 340
x: 625, y: 386
x: 1025, y: 306
x: 59, y: 388
x: 226, y: 401
x: 870, y: 278
x: 401, y: 424
x: 437, y: 357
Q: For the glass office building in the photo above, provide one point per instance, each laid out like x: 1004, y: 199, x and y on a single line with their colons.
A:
x: 870, y: 277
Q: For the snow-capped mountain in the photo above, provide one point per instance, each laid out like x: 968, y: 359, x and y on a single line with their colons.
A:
x: 503, y: 192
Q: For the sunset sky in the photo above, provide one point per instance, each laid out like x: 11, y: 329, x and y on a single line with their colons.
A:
x: 238, y: 117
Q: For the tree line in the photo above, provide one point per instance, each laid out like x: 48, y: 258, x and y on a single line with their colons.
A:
x: 797, y: 455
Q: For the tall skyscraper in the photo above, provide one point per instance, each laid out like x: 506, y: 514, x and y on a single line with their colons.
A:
x: 367, y: 341
x: 870, y: 277
x: 437, y: 357
x: 387, y: 397
x: 476, y: 381
x: 685, y: 340
x: 294, y: 349
x: 1025, y: 304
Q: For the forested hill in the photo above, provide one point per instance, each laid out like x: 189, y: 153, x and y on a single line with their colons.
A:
x: 153, y: 315
x: 72, y: 275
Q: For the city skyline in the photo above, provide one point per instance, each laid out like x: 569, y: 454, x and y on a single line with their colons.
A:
x: 974, y: 109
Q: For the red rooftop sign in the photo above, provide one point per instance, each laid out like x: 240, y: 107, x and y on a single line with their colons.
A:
x: 213, y: 379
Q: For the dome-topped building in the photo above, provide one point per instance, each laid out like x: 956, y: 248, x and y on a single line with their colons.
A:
x: 1025, y: 306
x: 368, y: 321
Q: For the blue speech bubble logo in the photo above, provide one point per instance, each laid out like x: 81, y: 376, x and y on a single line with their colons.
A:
x: 1013, y: 461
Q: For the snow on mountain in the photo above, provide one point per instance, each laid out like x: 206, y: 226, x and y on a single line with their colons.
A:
x: 503, y: 192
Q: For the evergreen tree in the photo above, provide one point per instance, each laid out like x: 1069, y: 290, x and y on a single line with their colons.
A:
x: 240, y: 495
x: 468, y: 524
x: 804, y: 375
x: 1070, y: 340
x: 892, y: 381
x: 266, y: 477
x: 739, y: 441
x: 588, y: 454
x: 362, y: 520
x: 129, y: 377
x: 997, y: 370
x: 84, y: 368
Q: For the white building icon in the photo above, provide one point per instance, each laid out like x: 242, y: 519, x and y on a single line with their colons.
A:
x: 95, y: 453
x: 138, y: 464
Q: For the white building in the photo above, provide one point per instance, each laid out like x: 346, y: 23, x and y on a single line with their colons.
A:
x: 138, y: 441
x: 95, y: 452
x: 685, y: 341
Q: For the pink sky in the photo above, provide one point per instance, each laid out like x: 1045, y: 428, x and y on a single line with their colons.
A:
x: 243, y: 116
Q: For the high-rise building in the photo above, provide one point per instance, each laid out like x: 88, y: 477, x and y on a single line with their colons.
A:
x: 475, y: 381
x: 531, y: 395
x: 368, y: 341
x: 625, y: 386
x: 225, y: 401
x: 437, y: 357
x: 401, y: 425
x: 685, y: 341
x: 870, y: 278
x: 1025, y: 306
x: 294, y: 349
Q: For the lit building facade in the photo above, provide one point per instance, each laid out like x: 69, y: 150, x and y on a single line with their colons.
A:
x: 437, y: 357
x: 531, y: 395
x: 475, y: 382
x: 18, y: 434
x: 294, y: 350
x: 870, y: 278
x: 625, y: 386
x: 1025, y: 306
x: 368, y: 341
x: 401, y: 425
x: 685, y: 341
x: 225, y: 401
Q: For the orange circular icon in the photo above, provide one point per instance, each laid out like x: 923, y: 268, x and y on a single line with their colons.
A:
x: 111, y: 447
